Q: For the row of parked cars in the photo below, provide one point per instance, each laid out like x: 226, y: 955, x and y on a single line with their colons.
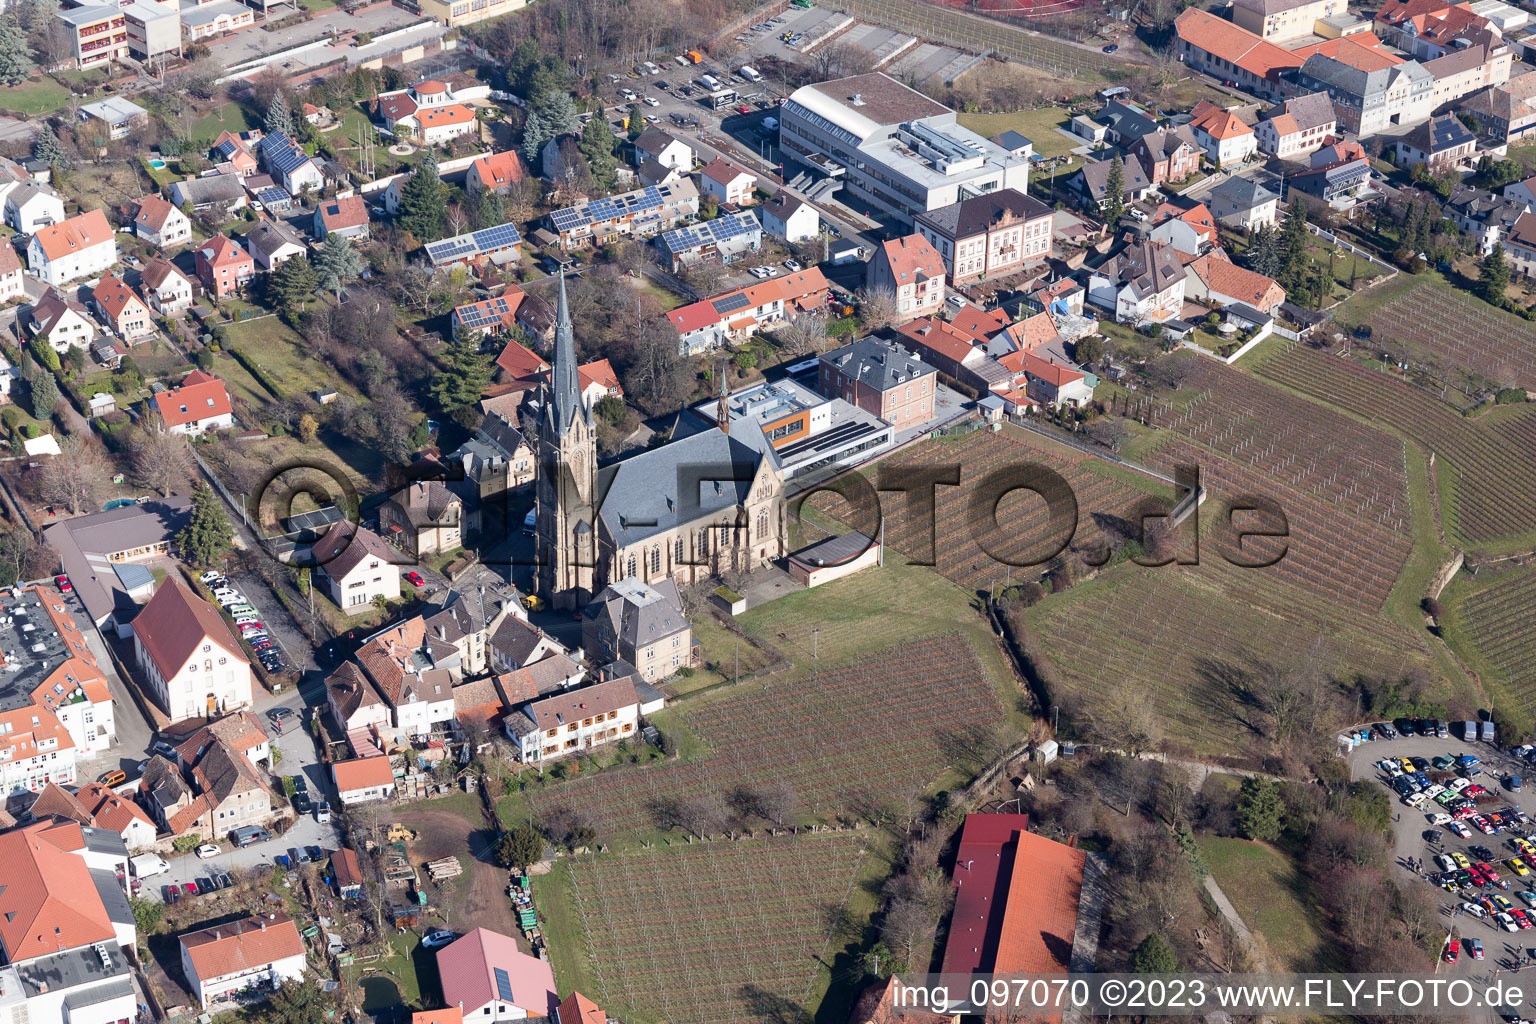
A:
x: 247, y: 621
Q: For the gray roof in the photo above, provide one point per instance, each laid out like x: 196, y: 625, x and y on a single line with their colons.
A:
x: 679, y: 483
x: 1095, y: 176
x: 566, y: 403
x: 836, y: 550
x: 1147, y: 267
x: 345, y: 546
x: 215, y: 188
x: 1012, y: 140
x: 99, y: 994
x: 111, y: 892
x: 1127, y: 119
x: 132, y: 575
x: 640, y: 613
x: 73, y: 967
x: 1269, y: 7
x: 1313, y: 110
x: 270, y: 236
x: 114, y: 109
x: 1355, y: 82
x: 877, y: 363
x: 1439, y: 134
x: 133, y: 526
x: 1242, y: 193
x: 975, y: 215
x: 654, y: 140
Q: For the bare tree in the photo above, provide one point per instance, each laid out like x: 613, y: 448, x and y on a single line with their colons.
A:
x: 778, y: 802
x: 801, y: 335
x: 458, y: 220
x: 1109, y: 432
x: 878, y: 308
x: 160, y: 458
x: 77, y: 477
x: 703, y: 814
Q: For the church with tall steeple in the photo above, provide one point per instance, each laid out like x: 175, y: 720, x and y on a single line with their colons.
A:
x: 687, y: 510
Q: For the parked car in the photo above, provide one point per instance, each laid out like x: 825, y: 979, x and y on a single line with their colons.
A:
x: 278, y: 714
x: 63, y: 583
x: 207, y: 850
x: 1452, y: 951
x: 323, y: 811
x: 440, y: 937
x: 415, y: 579
x: 115, y: 777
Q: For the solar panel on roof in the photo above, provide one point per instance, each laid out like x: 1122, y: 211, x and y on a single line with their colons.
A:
x: 503, y: 985
x: 730, y: 303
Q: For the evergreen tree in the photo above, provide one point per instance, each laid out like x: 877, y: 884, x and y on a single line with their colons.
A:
x: 598, y: 144
x: 520, y: 847
x: 489, y: 210
x: 1154, y: 956
x: 279, y: 117
x: 1260, y: 812
x: 293, y: 283
x: 535, y: 134
x: 1493, y: 277
x: 1295, y: 238
x: 337, y: 262
x: 636, y: 122
x: 1263, y: 256
x: 423, y: 211
x: 208, y: 536
x: 559, y: 113
x: 15, y: 57
x: 44, y: 393
x: 1114, y: 193
x: 47, y: 148
x: 465, y: 375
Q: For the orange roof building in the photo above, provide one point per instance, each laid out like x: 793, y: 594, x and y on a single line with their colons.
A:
x: 253, y: 953
x: 578, y: 1009
x: 913, y: 270
x: 198, y: 404
x: 49, y: 902
x: 1016, y: 899
x: 1223, y: 135
x: 71, y: 249
x: 448, y: 1015
x: 363, y: 779
x: 1222, y: 281
x: 498, y: 172
x: 126, y: 313
x: 1228, y: 51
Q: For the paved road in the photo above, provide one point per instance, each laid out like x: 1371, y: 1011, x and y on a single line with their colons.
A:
x: 250, y: 43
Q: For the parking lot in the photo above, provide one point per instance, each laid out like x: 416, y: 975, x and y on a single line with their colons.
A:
x: 1417, y: 843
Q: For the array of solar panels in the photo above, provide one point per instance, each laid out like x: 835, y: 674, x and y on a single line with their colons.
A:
x: 273, y: 195
x: 503, y: 985
x: 597, y: 211
x: 468, y: 246
x: 730, y: 303
x: 483, y: 314
x: 712, y: 232
x: 280, y: 153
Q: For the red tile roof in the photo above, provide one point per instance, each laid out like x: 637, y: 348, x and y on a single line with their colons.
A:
x: 173, y: 625
x: 940, y: 337
x: 337, y: 214
x: 1248, y: 286
x: 436, y: 117
x: 794, y: 288
x: 501, y: 169
x: 450, y: 1015
x: 362, y: 773
x: 153, y: 213
x: 223, y: 251
x: 578, y: 1009
x: 724, y: 171
x: 75, y: 234
x: 200, y: 397
x: 398, y: 107
x: 1032, y: 365
x: 1233, y: 43
x: 1197, y: 217
x: 243, y: 945
x: 115, y: 298
x: 521, y: 362
x: 601, y: 373
x: 1363, y: 51
x: 912, y: 258
x: 48, y: 900
x: 980, y: 324
x: 1040, y: 916
x: 467, y: 969
x: 1218, y: 123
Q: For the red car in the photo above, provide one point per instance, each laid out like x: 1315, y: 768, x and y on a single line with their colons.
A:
x: 743, y: 109
x: 414, y: 578
x: 1452, y: 951
x: 64, y: 584
x: 190, y: 888
x: 1521, y: 917
x: 1486, y: 869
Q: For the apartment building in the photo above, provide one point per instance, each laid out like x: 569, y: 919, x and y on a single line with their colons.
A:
x: 1370, y: 101
x: 1298, y: 126
x: 988, y: 236
x: 1282, y: 20
x: 913, y: 271
x: 641, y: 624
x: 578, y: 720
x: 355, y: 567
x: 882, y: 379
x: 78, y: 247
x: 193, y: 664
x: 731, y: 316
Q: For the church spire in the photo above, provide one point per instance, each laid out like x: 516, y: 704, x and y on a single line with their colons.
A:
x: 565, y: 403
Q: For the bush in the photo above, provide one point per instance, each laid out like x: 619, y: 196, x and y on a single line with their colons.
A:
x: 1510, y: 396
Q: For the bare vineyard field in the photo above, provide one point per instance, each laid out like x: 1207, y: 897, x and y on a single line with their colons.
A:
x: 1493, y: 625
x: 1177, y: 637
x: 709, y: 933
x: 1462, y: 330
x: 1342, y: 485
x: 1103, y: 496
x: 1493, y: 495
x: 873, y: 730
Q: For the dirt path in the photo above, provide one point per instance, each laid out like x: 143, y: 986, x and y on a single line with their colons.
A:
x: 480, y: 898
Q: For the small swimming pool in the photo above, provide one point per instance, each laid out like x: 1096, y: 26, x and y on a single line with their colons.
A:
x: 118, y: 503
x: 157, y: 164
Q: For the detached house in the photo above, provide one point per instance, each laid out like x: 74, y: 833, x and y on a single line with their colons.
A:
x: 12, y: 285
x: 727, y: 181
x: 641, y: 624
x: 121, y: 310
x: 224, y: 267
x: 363, y: 780
x: 1168, y: 155
x: 423, y: 519
x: 1240, y: 203
x: 790, y: 219
x: 198, y: 404
x: 1090, y: 183
x: 498, y: 458
x: 249, y: 957
x: 1442, y: 144
x: 912, y: 270
x: 31, y: 206
x: 665, y: 149
x: 1144, y: 282
x: 1218, y: 280
x: 273, y: 243
x: 1226, y: 139
x: 345, y: 217
x: 355, y: 566
x: 1190, y: 231
x: 427, y: 110
x: 574, y: 721
x: 497, y: 172
x: 168, y: 290
x: 78, y: 247
x: 289, y: 165
x: 161, y: 224
x: 61, y: 322
x: 194, y: 666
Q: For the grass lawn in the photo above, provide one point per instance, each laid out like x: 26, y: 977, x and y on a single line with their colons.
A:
x: 238, y: 380
x: 230, y: 117
x: 278, y: 350
x: 1039, y: 126
x: 1270, y: 896
x: 34, y: 97
x: 162, y: 176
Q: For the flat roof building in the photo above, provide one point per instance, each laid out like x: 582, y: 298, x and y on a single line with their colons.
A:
x: 893, y: 147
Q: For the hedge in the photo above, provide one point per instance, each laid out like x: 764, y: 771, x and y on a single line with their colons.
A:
x: 262, y: 376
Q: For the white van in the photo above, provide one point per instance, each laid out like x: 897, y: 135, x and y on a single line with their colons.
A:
x: 530, y: 522
x: 709, y: 82
x: 147, y: 864
x: 749, y: 73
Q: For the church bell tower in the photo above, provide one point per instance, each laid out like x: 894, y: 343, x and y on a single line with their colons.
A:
x: 567, y: 477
